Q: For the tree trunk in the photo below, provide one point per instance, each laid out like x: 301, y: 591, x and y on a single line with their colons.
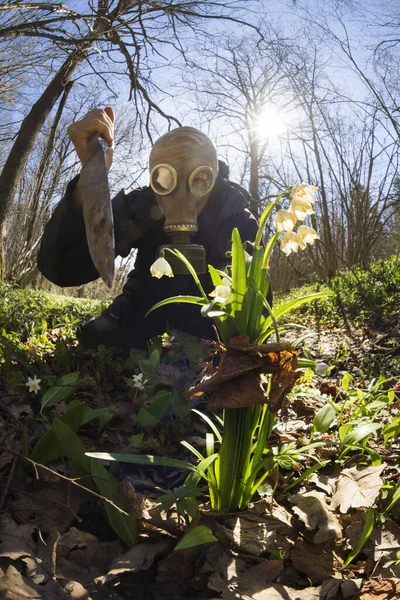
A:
x: 30, y: 128
x: 254, y: 175
x: 33, y: 209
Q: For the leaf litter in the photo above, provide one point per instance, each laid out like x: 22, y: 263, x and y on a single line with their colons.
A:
x: 55, y: 541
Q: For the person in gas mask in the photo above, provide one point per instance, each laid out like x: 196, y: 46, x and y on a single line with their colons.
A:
x: 188, y: 201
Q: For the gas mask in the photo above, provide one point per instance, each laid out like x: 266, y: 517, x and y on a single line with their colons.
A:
x: 183, y: 170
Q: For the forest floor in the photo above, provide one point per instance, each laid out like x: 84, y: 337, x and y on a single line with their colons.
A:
x: 326, y: 524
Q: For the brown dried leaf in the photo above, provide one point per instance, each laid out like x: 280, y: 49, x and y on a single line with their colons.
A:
x: 139, y: 558
x: 312, y: 509
x: 386, y: 545
x: 13, y: 586
x: 357, y: 488
x: 317, y: 562
x: 15, y: 540
x: 239, y: 393
x: 259, y: 590
x: 237, y: 378
x: 82, y: 557
x: 254, y: 532
x: 48, y: 508
x: 378, y: 588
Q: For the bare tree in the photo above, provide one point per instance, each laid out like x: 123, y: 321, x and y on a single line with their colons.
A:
x: 127, y: 30
x: 239, y: 78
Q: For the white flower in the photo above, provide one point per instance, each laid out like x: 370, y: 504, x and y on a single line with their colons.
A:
x: 303, y: 191
x: 301, y: 208
x: 138, y: 381
x: 285, y: 220
x: 221, y: 294
x: 33, y: 384
x: 161, y: 267
x: 307, y: 234
x: 302, y: 197
x: 291, y: 242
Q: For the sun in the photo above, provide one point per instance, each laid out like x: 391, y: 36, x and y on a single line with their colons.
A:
x: 269, y: 123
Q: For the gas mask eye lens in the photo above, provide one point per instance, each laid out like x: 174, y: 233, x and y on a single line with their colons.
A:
x: 201, y: 181
x: 163, y: 179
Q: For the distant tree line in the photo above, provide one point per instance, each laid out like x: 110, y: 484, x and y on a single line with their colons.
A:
x: 340, y: 134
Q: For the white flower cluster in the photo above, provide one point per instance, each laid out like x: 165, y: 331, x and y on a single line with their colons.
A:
x: 302, y: 199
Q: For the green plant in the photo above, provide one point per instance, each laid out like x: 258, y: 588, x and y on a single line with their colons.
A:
x: 61, y: 440
x: 239, y: 306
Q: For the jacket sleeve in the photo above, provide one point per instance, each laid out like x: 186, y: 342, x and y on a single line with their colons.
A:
x: 64, y: 256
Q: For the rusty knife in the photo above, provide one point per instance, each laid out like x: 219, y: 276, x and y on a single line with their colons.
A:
x: 97, y: 210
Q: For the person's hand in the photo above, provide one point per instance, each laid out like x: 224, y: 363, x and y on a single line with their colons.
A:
x: 95, y: 121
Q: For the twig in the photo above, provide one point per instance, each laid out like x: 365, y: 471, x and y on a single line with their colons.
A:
x: 69, y: 479
x: 9, y: 479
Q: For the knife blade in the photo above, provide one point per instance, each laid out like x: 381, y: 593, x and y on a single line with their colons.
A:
x: 97, y: 210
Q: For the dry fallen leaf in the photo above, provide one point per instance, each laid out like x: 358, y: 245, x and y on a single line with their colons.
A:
x: 378, y: 588
x: 15, y: 540
x: 357, y: 488
x: 139, y: 558
x: 13, y: 586
x: 386, y: 545
x: 255, y: 531
x: 82, y: 557
x: 316, y: 562
x: 49, y: 508
x: 312, y: 509
x: 260, y: 590
x: 236, y: 380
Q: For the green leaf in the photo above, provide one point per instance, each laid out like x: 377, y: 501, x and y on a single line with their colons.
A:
x: 360, y: 433
x: 306, y: 363
x: 288, y: 306
x: 365, y: 535
x: 324, y: 418
x: 395, y: 498
x: 209, y: 422
x: 72, y: 447
x: 144, y: 459
x: 195, y: 537
x: 104, y: 415
x: 346, y: 380
x: 264, y: 218
x: 391, y: 430
x: 47, y: 448
x: 149, y: 366
x: 125, y: 526
x: 159, y: 408
x: 239, y: 283
x: 61, y: 392
x: 174, y: 299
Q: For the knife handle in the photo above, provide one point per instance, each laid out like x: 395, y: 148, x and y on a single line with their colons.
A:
x: 95, y: 144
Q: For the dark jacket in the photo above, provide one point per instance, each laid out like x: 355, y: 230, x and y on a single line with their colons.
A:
x: 65, y: 260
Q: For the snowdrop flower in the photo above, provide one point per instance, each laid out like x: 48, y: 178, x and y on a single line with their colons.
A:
x: 307, y: 234
x: 291, y: 242
x: 302, y: 196
x: 301, y: 207
x: 303, y: 191
x: 221, y: 294
x: 33, y: 384
x: 285, y: 220
x: 138, y: 381
x: 161, y: 267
